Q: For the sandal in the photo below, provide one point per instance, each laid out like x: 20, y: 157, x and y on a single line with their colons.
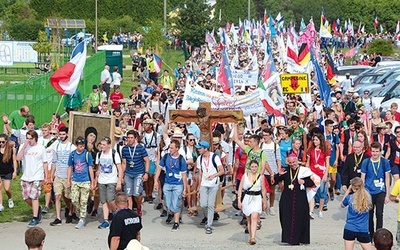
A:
x: 208, y: 230
x: 190, y: 214
x: 195, y: 213
x: 252, y: 241
x: 259, y: 225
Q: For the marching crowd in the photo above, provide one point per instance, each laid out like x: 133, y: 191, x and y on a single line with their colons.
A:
x: 311, y: 153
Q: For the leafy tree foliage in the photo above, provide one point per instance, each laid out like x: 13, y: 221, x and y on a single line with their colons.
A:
x: 381, y: 46
x: 193, y: 21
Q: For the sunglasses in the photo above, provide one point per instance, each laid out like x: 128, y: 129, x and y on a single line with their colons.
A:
x: 53, y: 133
x: 78, y: 141
x: 106, y: 139
x: 192, y: 140
x: 360, y: 113
x: 2, y: 142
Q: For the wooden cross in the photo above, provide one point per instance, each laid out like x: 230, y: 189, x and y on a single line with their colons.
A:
x: 206, y: 117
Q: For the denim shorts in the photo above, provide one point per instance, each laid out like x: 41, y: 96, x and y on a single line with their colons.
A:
x: 133, y: 185
x: 322, y: 190
x: 173, y: 197
x: 361, y: 237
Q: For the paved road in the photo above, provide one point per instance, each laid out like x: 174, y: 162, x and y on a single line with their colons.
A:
x: 326, y: 233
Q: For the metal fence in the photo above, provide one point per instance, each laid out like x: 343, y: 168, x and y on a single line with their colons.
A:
x: 41, y: 98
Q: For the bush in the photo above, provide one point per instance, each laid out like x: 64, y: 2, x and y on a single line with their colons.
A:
x: 25, y: 30
x: 381, y: 46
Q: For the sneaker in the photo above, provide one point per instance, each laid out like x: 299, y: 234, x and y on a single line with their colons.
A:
x: 243, y: 221
x: 180, y: 220
x: 337, y: 192
x: 331, y: 195
x: 150, y: 199
x: 75, y: 217
x: 263, y: 215
x: 45, y: 210
x: 325, y: 208
x: 56, y: 222
x: 203, y: 221
x: 80, y: 225
x: 175, y: 227
x: 1, y: 208
x: 10, y: 203
x: 320, y: 214
x: 312, y: 216
x: 272, y: 211
x: 68, y: 219
x: 40, y: 214
x: 159, y: 206
x: 33, y: 223
x: 209, y: 230
x: 94, y: 213
x: 164, y: 213
x: 169, y: 218
x: 246, y: 231
x: 103, y: 225
x: 316, y: 206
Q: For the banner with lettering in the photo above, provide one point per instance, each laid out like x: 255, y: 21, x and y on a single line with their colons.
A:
x: 245, y: 77
x: 249, y: 103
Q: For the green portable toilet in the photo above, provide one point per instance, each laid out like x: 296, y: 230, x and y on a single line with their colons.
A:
x: 114, y: 55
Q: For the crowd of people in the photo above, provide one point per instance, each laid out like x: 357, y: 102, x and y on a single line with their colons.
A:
x: 310, y: 153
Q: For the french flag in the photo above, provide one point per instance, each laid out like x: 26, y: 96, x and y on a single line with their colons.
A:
x: 157, y: 63
x: 66, y: 79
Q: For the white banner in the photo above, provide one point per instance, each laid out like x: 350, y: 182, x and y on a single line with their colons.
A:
x: 245, y: 77
x: 249, y: 104
x: 23, y: 52
x: 6, y: 53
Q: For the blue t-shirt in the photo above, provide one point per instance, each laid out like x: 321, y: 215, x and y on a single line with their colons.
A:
x: 173, y: 167
x: 333, y: 140
x: 80, y: 165
x: 134, y: 159
x: 375, y: 174
x: 285, y: 146
x: 355, y: 221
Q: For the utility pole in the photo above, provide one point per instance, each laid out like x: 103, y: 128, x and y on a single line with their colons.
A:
x: 95, y: 32
x: 248, y: 10
x: 165, y: 17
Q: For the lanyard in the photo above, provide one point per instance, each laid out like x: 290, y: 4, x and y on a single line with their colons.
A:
x: 130, y: 152
x: 295, y: 175
x: 377, y: 168
x: 317, y: 156
x: 172, y: 165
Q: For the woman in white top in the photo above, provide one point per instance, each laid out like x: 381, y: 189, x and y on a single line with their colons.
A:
x: 116, y: 76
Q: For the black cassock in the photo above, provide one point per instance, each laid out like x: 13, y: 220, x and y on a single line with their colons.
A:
x: 294, y: 210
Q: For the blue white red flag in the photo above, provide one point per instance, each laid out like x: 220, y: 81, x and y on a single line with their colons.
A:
x: 224, y: 76
x: 157, y: 63
x: 66, y: 79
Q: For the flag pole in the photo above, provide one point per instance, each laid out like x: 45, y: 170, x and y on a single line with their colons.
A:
x: 164, y: 63
x: 59, y: 104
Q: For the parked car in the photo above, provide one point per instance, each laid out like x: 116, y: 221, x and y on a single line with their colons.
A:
x: 364, y: 80
x: 388, y: 95
x: 73, y: 40
x: 388, y: 63
x: 354, y: 71
x: 379, y: 83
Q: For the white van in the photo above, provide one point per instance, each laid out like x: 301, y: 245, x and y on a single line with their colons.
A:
x: 388, y: 63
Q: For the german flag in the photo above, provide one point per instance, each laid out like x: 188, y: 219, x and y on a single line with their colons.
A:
x: 304, y: 54
x: 331, y: 70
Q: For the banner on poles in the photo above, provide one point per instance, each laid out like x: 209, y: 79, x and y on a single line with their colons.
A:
x: 249, y: 104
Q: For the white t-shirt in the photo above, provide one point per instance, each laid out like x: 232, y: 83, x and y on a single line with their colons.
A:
x: 49, y: 150
x: 151, y: 142
x: 32, y: 162
x: 60, y: 157
x: 108, y: 171
x: 116, y: 78
x: 208, y: 169
x: 105, y: 74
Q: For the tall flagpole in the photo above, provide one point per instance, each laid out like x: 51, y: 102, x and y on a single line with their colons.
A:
x: 95, y: 34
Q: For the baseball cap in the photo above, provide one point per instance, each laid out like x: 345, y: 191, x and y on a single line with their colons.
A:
x: 203, y: 144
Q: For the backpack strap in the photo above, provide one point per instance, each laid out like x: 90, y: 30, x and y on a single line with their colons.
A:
x: 50, y: 142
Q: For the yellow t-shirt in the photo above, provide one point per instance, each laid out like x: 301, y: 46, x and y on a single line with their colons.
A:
x: 396, y: 192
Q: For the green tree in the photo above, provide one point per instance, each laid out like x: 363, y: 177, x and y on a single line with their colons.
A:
x: 153, y: 37
x: 25, y: 30
x: 193, y: 21
x: 232, y: 11
x: 381, y: 46
x: 43, y: 45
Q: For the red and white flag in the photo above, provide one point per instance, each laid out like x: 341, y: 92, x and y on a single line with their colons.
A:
x: 66, y: 79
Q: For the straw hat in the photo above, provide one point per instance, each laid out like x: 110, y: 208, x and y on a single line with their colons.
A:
x: 118, y: 132
x: 178, y: 133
